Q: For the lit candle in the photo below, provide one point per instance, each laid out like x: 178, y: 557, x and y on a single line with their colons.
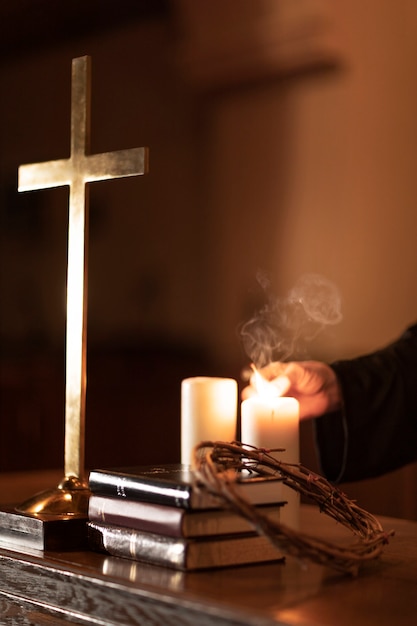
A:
x: 208, y: 412
x: 269, y: 421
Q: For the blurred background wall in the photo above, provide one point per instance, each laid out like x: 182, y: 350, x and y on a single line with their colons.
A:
x: 283, y: 140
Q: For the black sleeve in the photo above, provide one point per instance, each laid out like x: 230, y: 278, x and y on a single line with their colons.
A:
x: 376, y: 432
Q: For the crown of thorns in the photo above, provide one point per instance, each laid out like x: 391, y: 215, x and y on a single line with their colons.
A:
x: 218, y: 466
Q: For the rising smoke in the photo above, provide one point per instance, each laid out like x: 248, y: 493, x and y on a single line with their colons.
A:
x: 282, y: 329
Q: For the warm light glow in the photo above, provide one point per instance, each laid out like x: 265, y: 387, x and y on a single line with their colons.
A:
x: 269, y: 389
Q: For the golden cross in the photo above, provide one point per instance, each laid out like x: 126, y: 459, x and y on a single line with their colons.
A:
x: 81, y: 168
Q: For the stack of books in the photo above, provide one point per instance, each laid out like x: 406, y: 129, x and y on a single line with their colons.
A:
x: 157, y: 515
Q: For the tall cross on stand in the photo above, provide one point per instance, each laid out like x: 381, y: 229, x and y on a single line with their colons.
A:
x: 81, y: 168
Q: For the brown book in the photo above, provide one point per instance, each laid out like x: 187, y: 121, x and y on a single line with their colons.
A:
x: 179, y: 553
x: 172, y: 521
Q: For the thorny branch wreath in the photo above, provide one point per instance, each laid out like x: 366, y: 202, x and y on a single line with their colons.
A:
x: 217, y: 466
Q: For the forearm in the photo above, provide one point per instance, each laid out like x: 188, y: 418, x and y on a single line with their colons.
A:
x: 376, y: 430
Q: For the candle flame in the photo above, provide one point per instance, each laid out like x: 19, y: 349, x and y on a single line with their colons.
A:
x: 265, y: 388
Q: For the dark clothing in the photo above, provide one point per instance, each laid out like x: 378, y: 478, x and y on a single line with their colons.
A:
x: 377, y: 430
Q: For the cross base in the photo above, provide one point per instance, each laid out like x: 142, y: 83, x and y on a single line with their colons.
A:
x: 69, y: 498
x: 39, y: 532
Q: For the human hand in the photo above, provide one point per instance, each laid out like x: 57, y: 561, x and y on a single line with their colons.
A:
x: 313, y: 383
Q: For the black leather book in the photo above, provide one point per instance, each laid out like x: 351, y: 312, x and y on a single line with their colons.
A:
x: 176, y: 485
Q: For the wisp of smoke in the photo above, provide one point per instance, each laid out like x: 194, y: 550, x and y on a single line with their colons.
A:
x: 281, y: 329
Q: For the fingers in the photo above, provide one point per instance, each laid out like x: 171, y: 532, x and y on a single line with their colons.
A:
x: 314, y: 384
x: 282, y: 385
x: 274, y: 370
x: 274, y: 377
x: 294, y: 376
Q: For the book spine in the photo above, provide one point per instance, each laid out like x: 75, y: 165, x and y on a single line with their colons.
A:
x: 145, y: 547
x: 181, y: 554
x: 119, y: 486
x: 137, y: 515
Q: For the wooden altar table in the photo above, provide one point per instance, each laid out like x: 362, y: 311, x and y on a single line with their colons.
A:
x: 90, y: 588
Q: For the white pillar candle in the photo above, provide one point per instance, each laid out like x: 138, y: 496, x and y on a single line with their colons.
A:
x: 208, y: 412
x: 273, y: 422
